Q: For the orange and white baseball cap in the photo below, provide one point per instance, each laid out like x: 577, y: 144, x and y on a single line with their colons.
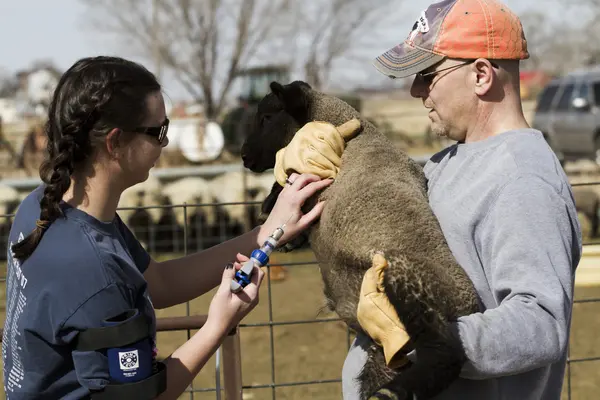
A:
x: 461, y: 29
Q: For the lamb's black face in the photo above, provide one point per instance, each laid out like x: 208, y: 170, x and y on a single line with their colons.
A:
x: 279, y: 116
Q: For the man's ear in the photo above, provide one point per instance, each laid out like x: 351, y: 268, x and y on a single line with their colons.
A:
x: 294, y: 97
x: 484, y: 77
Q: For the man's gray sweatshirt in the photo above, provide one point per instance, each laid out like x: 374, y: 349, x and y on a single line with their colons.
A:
x: 507, y: 211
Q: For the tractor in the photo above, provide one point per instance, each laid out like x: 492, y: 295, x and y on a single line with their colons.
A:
x: 255, y: 85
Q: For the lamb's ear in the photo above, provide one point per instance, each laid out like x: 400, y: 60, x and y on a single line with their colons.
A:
x: 278, y: 90
x: 294, y: 98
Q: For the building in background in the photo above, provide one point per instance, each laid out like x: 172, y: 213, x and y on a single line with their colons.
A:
x: 28, y: 93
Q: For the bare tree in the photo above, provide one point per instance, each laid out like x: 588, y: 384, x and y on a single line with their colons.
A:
x: 572, y: 39
x: 340, y: 31
x: 588, y: 30
x: 563, y: 44
x: 539, y: 37
x: 203, y: 43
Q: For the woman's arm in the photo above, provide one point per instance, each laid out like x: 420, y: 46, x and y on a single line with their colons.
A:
x: 225, y: 312
x: 182, y: 279
x: 187, y: 361
x: 177, y: 281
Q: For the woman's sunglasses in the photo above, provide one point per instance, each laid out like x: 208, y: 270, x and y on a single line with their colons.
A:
x: 159, y: 132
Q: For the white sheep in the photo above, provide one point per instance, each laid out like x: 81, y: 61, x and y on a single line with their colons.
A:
x: 144, y: 194
x: 235, y: 188
x: 198, y: 221
x: 141, y: 220
x: 216, y: 220
x: 239, y: 187
x: 190, y: 190
x: 262, y: 183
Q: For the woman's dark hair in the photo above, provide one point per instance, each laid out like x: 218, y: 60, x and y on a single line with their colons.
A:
x: 91, y: 98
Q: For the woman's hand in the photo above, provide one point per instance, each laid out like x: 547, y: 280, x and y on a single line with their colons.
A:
x: 227, y: 309
x: 287, y: 209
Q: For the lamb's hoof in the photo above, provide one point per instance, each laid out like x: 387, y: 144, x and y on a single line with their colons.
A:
x: 387, y: 394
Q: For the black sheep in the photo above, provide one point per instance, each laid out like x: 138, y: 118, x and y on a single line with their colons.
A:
x: 377, y: 204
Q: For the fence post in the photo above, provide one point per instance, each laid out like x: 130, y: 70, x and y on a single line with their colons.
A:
x: 232, y: 366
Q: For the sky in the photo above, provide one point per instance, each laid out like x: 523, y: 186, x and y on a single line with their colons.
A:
x: 56, y: 30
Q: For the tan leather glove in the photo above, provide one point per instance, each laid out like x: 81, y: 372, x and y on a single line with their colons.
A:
x: 378, y: 317
x: 315, y: 149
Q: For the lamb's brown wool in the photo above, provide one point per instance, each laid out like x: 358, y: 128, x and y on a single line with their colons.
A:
x: 378, y: 203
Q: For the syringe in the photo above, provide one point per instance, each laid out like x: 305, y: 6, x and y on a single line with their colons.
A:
x: 259, y: 258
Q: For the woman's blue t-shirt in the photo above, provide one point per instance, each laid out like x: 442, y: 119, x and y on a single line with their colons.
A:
x: 82, y: 272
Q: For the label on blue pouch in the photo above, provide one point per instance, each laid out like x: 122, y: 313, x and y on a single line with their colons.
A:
x: 129, y: 363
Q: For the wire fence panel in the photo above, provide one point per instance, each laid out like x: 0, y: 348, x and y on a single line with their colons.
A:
x: 205, y: 224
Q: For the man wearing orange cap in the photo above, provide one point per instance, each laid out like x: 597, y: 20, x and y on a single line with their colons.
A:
x: 501, y: 197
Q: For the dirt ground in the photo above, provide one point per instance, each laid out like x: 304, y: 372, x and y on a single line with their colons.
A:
x: 307, y: 352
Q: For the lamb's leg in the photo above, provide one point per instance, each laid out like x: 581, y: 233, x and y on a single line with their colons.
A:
x: 415, y: 294
x: 269, y: 202
x: 375, y: 376
x: 438, y: 364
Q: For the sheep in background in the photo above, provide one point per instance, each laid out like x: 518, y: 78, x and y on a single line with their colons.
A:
x: 261, y: 188
x: 237, y: 187
x: 582, y: 167
x: 232, y: 218
x: 260, y: 185
x: 231, y: 189
x: 587, y: 198
x: 258, y: 190
x: 189, y: 190
x: 9, y: 201
x: 214, y: 222
x: 141, y: 221
x: 587, y: 203
x: 377, y: 204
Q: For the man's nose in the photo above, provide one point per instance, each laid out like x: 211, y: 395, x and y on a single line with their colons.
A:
x: 418, y: 88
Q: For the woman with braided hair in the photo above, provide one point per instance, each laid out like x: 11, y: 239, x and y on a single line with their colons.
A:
x: 72, y: 262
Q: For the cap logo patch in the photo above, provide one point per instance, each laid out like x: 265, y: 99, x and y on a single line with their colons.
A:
x: 420, y: 26
x: 423, y: 23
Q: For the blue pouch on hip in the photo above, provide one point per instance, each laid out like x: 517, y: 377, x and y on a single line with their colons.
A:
x: 127, y: 341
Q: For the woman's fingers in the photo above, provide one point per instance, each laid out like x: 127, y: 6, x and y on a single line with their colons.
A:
x: 307, y: 219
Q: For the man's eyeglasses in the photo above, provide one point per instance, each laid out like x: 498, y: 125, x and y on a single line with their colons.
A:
x: 159, y: 132
x: 427, y: 76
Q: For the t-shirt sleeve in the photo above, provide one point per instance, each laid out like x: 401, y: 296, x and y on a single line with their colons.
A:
x: 91, y: 367
x: 138, y: 253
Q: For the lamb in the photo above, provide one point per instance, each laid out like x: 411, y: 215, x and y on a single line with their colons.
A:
x: 376, y: 205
